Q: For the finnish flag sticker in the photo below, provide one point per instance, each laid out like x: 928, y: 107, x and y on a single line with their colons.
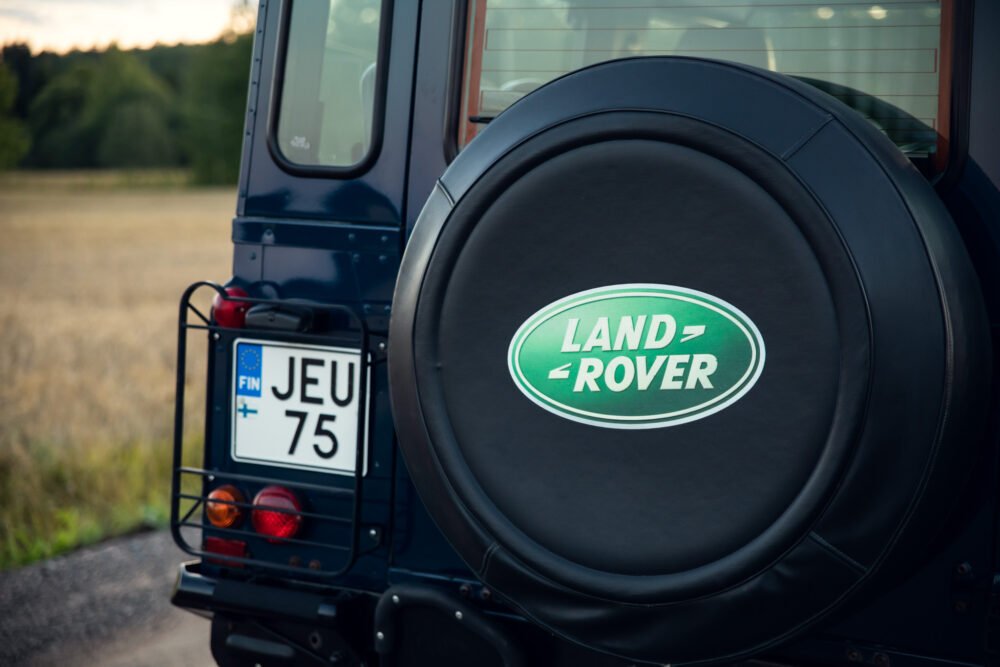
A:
x: 248, y: 367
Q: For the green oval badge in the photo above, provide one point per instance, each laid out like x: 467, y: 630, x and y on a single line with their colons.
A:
x: 636, y: 356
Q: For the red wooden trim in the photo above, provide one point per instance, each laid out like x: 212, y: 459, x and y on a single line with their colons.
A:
x: 475, y: 46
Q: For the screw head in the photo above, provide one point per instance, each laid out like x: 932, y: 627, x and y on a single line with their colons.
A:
x: 854, y: 655
x: 315, y: 565
x: 964, y: 569
x: 881, y: 659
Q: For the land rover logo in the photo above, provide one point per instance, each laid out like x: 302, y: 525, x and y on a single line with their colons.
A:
x: 636, y: 356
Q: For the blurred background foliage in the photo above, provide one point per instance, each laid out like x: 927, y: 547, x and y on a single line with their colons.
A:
x: 101, y: 234
x: 162, y: 107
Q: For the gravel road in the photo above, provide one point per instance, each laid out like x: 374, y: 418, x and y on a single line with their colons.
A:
x: 103, y: 605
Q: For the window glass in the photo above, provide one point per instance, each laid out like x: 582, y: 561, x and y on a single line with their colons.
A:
x: 328, y: 91
x: 883, y: 59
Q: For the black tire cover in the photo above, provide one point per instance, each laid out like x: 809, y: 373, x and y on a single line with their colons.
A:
x: 701, y: 539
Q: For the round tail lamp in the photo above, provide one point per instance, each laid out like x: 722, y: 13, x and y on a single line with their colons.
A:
x: 276, y: 513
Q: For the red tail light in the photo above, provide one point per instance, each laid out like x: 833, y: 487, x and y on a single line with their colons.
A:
x: 217, y: 545
x: 281, y: 524
x: 227, y: 312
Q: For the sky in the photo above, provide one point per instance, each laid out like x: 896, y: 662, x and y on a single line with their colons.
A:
x: 62, y: 25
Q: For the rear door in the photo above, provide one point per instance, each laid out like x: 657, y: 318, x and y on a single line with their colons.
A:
x: 297, y: 396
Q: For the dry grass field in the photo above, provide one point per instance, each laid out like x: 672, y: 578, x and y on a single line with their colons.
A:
x: 93, y: 266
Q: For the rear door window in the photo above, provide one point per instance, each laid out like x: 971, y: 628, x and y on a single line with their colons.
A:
x: 885, y: 60
x: 326, y: 116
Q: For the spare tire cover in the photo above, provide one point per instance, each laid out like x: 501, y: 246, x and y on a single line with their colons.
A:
x: 680, y: 352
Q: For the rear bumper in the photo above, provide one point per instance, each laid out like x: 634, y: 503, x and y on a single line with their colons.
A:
x: 254, y: 624
x: 267, y: 624
x: 196, y: 591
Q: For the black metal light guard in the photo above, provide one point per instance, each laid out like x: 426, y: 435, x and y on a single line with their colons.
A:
x: 179, y: 470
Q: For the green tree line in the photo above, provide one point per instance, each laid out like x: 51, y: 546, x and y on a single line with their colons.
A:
x: 166, y: 106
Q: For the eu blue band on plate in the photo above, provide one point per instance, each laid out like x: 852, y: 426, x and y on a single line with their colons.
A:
x: 248, y: 366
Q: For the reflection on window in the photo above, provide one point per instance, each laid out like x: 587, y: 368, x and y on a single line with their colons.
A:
x: 882, y: 59
x: 328, y: 91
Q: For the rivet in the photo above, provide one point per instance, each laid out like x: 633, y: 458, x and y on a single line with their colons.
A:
x: 373, y: 533
x: 315, y: 565
x: 395, y: 599
x: 380, y: 635
x: 458, y: 615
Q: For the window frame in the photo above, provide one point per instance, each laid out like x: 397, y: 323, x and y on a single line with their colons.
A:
x: 955, y: 60
x: 378, y: 106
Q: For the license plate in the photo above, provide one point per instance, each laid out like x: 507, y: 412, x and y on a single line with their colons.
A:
x: 297, y: 406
